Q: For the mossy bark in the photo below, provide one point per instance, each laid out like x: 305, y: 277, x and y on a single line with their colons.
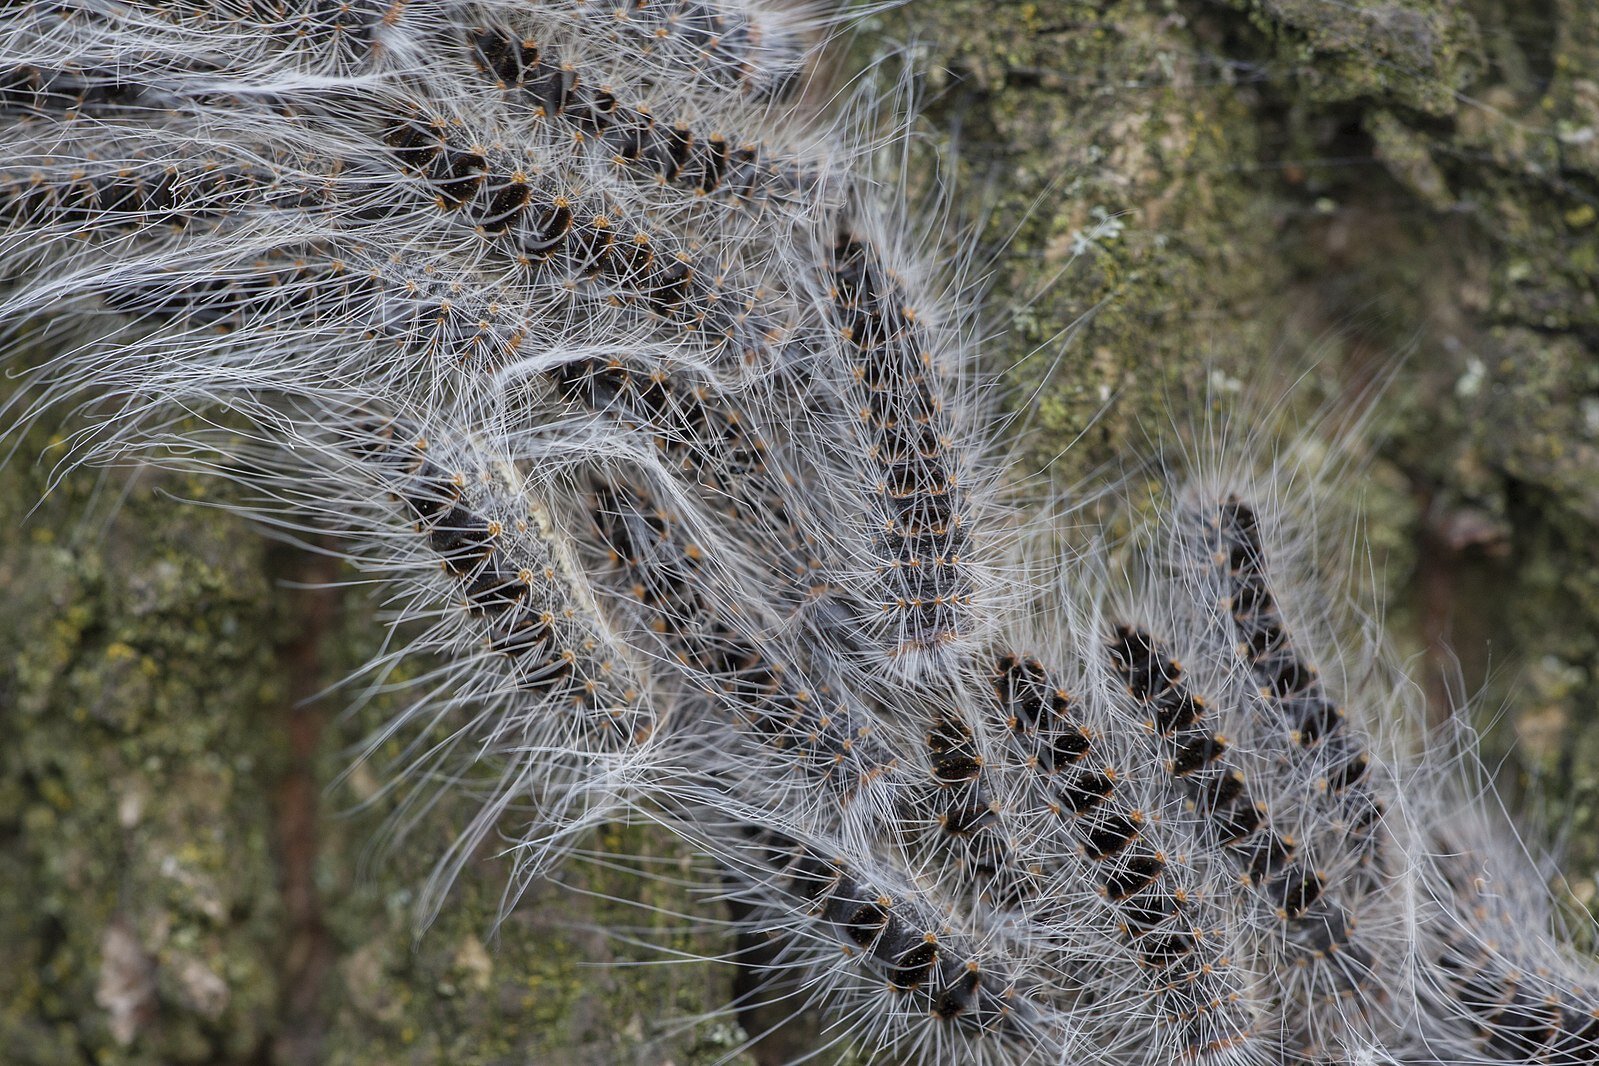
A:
x: 1182, y: 195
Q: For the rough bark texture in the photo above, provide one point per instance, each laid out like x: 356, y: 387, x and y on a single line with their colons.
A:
x: 1199, y: 191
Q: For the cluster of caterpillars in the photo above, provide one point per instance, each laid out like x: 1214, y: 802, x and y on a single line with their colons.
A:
x: 709, y: 530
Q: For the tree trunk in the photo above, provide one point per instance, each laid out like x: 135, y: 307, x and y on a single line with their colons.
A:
x: 1184, y: 200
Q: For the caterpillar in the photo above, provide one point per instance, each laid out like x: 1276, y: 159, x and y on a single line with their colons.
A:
x: 1320, y: 929
x: 601, y: 342
x: 1158, y: 909
x: 631, y: 137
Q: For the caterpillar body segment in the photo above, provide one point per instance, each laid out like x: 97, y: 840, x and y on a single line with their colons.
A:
x: 1498, y: 986
x: 713, y: 443
x: 82, y: 182
x: 811, y: 720
x: 268, y: 260
x: 560, y: 715
x: 214, y: 42
x: 1514, y: 1010
x: 1197, y: 758
x: 903, y: 944
x: 509, y: 583
x: 514, y: 694
x: 558, y: 237
x: 664, y: 585
x: 213, y: 238
x: 972, y: 831
x: 855, y: 931
x: 572, y: 718
x: 1507, y: 1007
x: 418, y: 338
x: 561, y: 234
x: 30, y: 93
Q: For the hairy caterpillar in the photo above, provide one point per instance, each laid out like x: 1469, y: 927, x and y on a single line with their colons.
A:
x: 853, y: 651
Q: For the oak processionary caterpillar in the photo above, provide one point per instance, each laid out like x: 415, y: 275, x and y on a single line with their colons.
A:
x: 596, y: 335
